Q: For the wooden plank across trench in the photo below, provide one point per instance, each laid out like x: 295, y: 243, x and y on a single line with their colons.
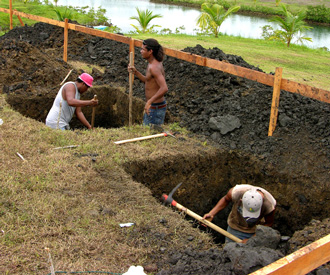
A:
x: 301, y: 261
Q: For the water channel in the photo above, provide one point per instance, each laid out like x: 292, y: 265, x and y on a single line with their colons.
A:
x: 120, y: 11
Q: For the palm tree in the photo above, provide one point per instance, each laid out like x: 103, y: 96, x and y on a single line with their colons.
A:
x: 290, y: 25
x: 213, y: 16
x: 144, y: 18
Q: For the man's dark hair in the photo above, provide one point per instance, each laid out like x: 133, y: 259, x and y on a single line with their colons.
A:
x: 157, y: 49
x: 79, y: 80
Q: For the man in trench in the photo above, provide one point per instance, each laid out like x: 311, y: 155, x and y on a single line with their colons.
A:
x: 251, y: 206
x: 67, y: 102
x: 155, y: 83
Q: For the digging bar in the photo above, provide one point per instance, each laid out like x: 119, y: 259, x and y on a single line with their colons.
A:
x: 66, y: 77
x: 165, y: 134
x: 93, y: 113
x: 170, y: 200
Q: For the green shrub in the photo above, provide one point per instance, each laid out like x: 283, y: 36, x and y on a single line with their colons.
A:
x: 67, y: 13
x: 318, y: 13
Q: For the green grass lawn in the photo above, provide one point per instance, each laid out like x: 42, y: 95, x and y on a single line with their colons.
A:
x: 299, y: 63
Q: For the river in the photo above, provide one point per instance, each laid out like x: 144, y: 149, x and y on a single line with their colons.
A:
x: 119, y: 12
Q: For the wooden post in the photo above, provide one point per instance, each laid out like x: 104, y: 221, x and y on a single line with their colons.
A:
x: 275, y: 101
x: 131, y: 79
x: 10, y: 14
x: 93, y: 113
x: 66, y: 27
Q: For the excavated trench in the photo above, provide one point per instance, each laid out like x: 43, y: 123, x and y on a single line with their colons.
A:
x: 293, y: 164
x: 206, y: 178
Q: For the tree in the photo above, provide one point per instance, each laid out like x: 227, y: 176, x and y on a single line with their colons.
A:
x: 291, y: 25
x: 213, y: 16
x: 144, y: 18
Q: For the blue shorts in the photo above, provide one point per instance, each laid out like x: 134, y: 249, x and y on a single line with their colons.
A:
x: 156, y: 114
x: 238, y: 234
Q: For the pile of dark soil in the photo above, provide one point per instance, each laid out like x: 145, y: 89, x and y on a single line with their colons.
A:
x: 227, y: 111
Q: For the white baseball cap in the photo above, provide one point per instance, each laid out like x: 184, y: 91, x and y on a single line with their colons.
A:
x: 252, y: 203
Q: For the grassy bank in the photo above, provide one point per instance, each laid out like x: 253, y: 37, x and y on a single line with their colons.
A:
x: 317, y: 10
x: 73, y: 201
x: 299, y: 63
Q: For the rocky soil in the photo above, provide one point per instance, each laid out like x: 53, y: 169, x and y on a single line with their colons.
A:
x: 227, y: 111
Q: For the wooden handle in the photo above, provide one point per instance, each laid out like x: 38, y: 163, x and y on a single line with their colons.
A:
x: 131, y: 79
x: 209, y: 224
x: 93, y: 113
x: 66, y: 77
x: 140, y: 138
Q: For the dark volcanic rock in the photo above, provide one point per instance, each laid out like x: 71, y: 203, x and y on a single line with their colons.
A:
x: 230, y: 112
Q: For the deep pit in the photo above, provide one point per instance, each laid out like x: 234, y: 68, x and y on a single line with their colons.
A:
x: 207, y: 178
x: 293, y: 164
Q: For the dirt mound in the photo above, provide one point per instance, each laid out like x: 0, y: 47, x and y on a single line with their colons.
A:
x: 230, y: 112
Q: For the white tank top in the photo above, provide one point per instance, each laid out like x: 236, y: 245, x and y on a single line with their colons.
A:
x: 61, y: 113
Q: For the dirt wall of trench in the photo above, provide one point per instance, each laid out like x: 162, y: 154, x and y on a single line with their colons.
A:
x: 112, y: 110
x: 206, y: 178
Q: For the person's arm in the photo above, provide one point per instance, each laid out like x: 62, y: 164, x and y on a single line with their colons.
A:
x: 161, y: 82
x: 222, y: 203
x: 140, y: 76
x: 69, y: 93
x: 269, y: 218
x: 82, y: 118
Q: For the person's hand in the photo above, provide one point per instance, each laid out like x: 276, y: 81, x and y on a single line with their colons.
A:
x: 94, y: 102
x: 244, y: 240
x: 147, y: 107
x: 131, y: 69
x: 208, y: 217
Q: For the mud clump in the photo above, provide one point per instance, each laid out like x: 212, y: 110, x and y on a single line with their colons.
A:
x: 230, y: 112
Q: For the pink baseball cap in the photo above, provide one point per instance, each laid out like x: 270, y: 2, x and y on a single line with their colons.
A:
x: 87, y: 79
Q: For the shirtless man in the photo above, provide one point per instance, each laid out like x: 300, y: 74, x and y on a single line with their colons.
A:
x: 155, y: 83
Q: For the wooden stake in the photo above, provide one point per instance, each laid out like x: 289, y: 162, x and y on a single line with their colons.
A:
x: 65, y: 46
x: 275, y: 101
x: 93, y: 113
x: 11, y: 14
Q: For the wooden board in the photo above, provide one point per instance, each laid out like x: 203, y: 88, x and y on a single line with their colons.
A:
x: 300, y: 262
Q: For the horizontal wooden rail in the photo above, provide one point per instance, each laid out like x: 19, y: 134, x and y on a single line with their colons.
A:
x: 301, y: 261
x: 267, y: 79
